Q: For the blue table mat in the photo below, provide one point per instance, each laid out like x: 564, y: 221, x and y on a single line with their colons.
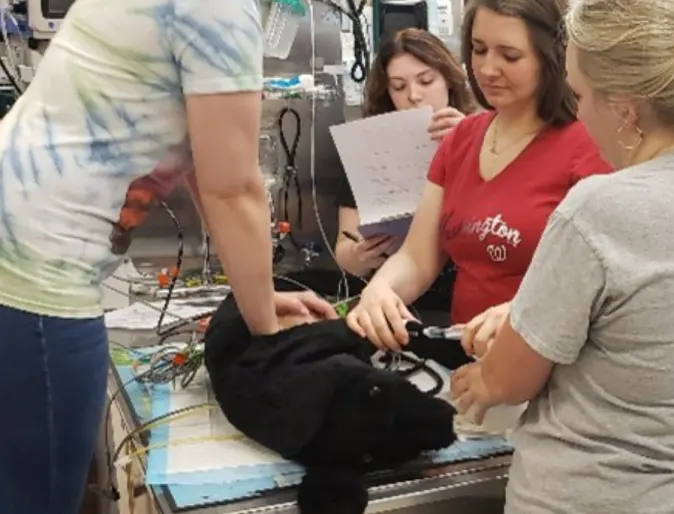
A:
x: 235, y: 483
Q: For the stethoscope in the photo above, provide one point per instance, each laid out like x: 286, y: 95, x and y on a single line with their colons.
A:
x: 408, y: 366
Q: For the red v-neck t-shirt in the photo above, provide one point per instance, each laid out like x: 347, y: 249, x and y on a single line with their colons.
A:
x: 490, y: 229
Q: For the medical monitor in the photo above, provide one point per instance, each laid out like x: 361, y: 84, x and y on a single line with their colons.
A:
x: 45, y: 16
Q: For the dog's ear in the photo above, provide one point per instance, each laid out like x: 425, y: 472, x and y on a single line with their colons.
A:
x: 417, y: 423
x: 332, y: 491
x: 421, y: 422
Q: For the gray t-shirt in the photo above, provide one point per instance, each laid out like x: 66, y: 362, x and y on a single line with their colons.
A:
x: 598, y: 301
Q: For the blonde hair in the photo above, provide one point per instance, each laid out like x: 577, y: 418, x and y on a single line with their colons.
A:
x: 627, y: 47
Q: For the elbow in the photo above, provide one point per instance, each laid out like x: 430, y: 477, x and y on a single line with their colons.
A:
x: 231, y: 186
x: 251, y: 189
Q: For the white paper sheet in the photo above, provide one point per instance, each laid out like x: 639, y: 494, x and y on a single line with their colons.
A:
x: 211, y: 450
x: 204, y: 441
x: 210, y: 427
x: 386, y: 159
x: 140, y: 316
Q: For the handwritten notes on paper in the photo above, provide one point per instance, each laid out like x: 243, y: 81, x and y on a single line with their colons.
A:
x: 386, y: 159
x: 145, y: 316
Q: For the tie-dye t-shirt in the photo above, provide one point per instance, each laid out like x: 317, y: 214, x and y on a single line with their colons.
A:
x: 101, y: 130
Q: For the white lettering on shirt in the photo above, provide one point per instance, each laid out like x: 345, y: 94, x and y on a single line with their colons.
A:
x: 494, y: 226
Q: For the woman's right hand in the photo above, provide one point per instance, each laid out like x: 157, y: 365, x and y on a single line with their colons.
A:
x: 480, y: 332
x: 371, y: 253
x: 380, y: 317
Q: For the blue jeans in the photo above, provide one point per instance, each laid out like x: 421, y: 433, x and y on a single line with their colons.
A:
x: 52, y: 395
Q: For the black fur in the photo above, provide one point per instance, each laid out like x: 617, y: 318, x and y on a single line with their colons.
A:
x: 311, y: 394
x: 332, y: 491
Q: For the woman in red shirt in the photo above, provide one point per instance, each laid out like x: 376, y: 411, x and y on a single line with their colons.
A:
x: 495, y: 178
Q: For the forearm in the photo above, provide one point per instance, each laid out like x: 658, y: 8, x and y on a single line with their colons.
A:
x: 239, y: 229
x: 512, y: 371
x: 406, y: 276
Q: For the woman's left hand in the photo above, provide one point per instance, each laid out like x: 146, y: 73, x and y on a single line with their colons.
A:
x: 480, y: 332
x: 302, y: 303
x: 469, y: 391
x: 444, y: 121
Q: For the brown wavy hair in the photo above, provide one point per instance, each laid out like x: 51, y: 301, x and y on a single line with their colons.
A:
x: 430, y: 50
x: 544, y: 20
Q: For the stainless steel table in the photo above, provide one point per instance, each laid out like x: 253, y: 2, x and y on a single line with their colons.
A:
x: 456, y: 483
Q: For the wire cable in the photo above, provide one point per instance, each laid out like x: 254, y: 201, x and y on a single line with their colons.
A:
x: 169, y: 363
x: 112, y: 456
x: 114, y: 490
x: 177, y: 442
x: 206, y: 273
x: 291, y: 174
x: 11, y: 77
x: 158, y: 421
x: 361, y: 51
x: 361, y: 46
x: 343, y: 284
x: 393, y: 362
x: 176, y: 271
x: 9, y: 11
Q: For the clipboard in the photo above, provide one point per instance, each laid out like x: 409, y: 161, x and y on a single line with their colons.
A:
x: 386, y: 159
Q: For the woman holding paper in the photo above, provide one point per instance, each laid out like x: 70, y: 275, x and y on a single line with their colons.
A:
x: 496, y: 178
x: 413, y: 69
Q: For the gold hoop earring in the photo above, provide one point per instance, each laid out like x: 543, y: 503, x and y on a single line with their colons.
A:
x: 634, y: 146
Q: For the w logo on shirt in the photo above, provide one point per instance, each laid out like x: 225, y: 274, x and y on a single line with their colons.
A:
x: 498, y: 253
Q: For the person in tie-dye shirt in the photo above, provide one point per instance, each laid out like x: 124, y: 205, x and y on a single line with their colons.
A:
x: 131, y: 98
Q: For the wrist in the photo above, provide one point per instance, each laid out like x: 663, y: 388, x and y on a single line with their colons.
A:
x: 266, y: 329
x: 358, y: 267
x: 492, y: 396
x: 260, y: 317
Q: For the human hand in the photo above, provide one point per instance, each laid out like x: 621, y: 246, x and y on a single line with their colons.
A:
x: 480, y: 332
x: 470, y: 393
x: 380, y: 317
x: 443, y: 122
x: 372, y: 253
x: 303, y: 303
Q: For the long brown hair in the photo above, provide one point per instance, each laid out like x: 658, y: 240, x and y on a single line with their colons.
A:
x: 430, y: 50
x: 544, y: 19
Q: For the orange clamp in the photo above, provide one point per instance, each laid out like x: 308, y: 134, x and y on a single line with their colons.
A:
x: 283, y: 227
x: 163, y: 279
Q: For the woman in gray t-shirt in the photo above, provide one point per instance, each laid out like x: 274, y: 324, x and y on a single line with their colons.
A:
x: 590, y: 336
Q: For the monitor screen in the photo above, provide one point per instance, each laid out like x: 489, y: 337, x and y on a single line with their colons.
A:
x: 55, y: 8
